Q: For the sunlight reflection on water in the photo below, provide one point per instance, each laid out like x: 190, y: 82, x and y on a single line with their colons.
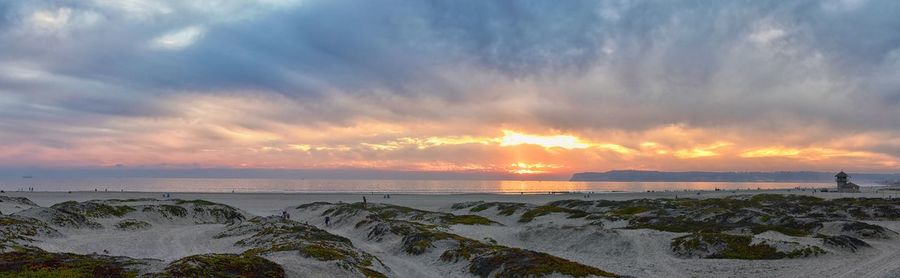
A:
x: 411, y: 186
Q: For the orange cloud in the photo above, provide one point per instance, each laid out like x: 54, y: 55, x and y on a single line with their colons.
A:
x: 213, y: 131
x: 512, y: 138
x: 771, y: 152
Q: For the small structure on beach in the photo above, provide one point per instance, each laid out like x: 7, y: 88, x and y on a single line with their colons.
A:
x: 844, y: 184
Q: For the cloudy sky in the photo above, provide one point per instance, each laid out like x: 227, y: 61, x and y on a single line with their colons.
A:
x: 479, y: 87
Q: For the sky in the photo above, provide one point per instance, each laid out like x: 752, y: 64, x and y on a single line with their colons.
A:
x: 474, y: 88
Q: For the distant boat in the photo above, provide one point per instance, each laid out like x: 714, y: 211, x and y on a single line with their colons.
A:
x: 27, y: 177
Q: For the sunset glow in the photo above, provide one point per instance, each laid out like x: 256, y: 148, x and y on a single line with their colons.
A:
x: 111, y: 85
x: 531, y: 168
x: 511, y: 138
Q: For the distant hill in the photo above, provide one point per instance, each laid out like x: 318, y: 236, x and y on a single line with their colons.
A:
x: 657, y: 176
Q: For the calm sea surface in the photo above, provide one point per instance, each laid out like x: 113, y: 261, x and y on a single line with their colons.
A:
x: 410, y: 186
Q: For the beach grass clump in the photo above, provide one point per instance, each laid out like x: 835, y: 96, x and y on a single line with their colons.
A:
x: 529, y: 215
x: 392, y: 212
x: 720, y: 246
x: 167, y: 211
x: 61, y: 218
x: 845, y: 242
x: 275, y: 234
x: 120, y: 211
x: 170, y: 210
x: 219, y: 213
x: 14, y: 225
x: 503, y: 208
x: 202, y: 211
x: 132, y: 225
x: 196, y: 202
x: 465, y: 205
x: 416, y: 243
x: 33, y: 262
x: 224, y: 265
x: 572, y: 203
x: 322, y: 253
x: 630, y: 210
x: 768, y: 198
x: 790, y: 214
x: 808, y: 251
x: 866, y: 230
x: 467, y: 220
x: 678, y: 224
x: 15, y: 230
x: 468, y: 249
x: 514, y: 262
x: 791, y: 228
x: 727, y: 246
x: 370, y: 273
x: 93, y: 209
x: 484, y: 258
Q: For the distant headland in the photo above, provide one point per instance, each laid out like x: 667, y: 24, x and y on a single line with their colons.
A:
x: 699, y: 176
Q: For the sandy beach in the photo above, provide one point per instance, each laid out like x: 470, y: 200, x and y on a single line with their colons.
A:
x: 579, y: 232
x: 274, y: 203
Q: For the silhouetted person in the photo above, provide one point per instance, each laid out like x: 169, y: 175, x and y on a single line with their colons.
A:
x: 364, y: 200
x: 327, y: 220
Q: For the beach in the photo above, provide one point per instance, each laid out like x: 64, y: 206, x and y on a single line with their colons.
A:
x: 595, y: 234
x: 273, y: 203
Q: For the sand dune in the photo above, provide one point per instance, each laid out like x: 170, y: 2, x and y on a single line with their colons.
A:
x: 467, y: 235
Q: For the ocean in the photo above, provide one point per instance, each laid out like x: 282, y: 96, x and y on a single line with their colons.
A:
x: 355, y: 186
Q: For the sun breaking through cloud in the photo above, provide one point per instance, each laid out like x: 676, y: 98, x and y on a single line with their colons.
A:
x: 481, y: 88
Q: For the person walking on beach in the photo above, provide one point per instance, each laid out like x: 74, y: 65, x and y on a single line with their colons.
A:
x: 364, y: 200
x: 327, y: 221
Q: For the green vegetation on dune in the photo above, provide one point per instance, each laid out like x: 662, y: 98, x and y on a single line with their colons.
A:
x: 514, y: 262
x: 93, y: 209
x: 196, y: 202
x: 16, y: 230
x: 787, y: 214
x: 168, y: 211
x: 505, y: 209
x: 484, y: 258
x: 529, y: 215
x: 132, y: 225
x: 726, y: 246
x: 201, y: 211
x: 844, y: 241
x: 467, y: 220
x: 32, y: 262
x: 274, y: 234
x: 631, y: 210
x: 369, y: 273
x: 322, y: 253
x: 387, y: 211
x: 224, y: 265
